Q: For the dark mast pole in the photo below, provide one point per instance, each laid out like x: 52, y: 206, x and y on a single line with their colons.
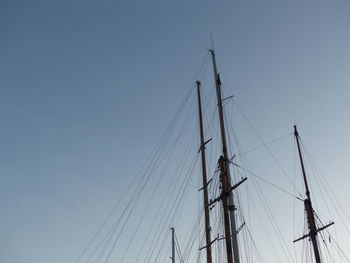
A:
x: 172, y: 245
x: 308, y: 206
x: 226, y: 170
x: 204, y: 175
x: 224, y: 197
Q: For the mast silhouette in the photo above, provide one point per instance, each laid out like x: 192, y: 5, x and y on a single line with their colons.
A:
x: 204, y: 175
x: 227, y: 194
x: 172, y: 245
x: 310, y: 214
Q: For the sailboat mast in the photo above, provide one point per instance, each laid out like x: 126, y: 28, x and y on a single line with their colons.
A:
x: 225, y: 205
x: 227, y: 175
x: 172, y: 245
x: 204, y: 175
x: 308, y: 205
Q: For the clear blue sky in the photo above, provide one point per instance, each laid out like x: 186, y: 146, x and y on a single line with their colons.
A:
x: 87, y: 87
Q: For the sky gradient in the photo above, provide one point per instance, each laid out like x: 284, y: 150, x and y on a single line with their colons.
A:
x: 87, y: 87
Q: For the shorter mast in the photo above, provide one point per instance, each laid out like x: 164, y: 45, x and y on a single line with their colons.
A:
x: 172, y: 245
x: 204, y: 175
x: 308, y: 207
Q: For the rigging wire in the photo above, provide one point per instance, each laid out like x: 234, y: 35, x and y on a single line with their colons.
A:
x: 263, y: 145
x: 175, y: 180
x: 171, y: 152
x: 268, y: 211
x: 179, y: 193
x: 178, y: 207
x: 322, y: 181
x: 178, y: 250
x: 144, y: 180
x: 330, y: 193
x: 270, y: 183
x: 151, y: 156
x: 262, y: 141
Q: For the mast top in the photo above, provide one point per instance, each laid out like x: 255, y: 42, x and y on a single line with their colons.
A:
x: 297, y: 138
x: 295, y: 130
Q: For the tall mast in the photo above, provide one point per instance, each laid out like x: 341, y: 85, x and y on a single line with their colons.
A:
x: 172, y: 245
x: 204, y: 175
x: 225, y: 205
x: 308, y: 207
x: 226, y: 170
